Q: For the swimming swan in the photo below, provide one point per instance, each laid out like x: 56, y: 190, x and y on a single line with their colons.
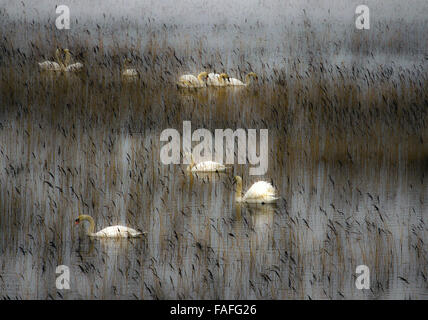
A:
x: 128, y: 72
x: 260, y: 192
x: 109, y: 232
x: 205, y: 166
x: 51, y: 65
x: 190, y: 81
x: 217, y: 80
x: 248, y: 79
x: 71, y: 67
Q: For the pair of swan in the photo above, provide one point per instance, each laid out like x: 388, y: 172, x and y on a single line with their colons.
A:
x: 213, y: 79
x: 109, y: 232
x: 60, y: 65
x: 259, y: 192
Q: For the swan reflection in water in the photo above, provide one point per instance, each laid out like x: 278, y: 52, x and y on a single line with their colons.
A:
x: 260, y: 221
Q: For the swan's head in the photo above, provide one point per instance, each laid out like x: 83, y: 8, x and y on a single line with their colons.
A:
x: 237, y: 180
x: 203, y: 75
x: 81, y: 218
x: 58, y: 56
x: 253, y: 75
x: 224, y: 76
x: 67, y: 56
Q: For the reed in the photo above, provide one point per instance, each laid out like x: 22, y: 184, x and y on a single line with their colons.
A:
x: 347, y: 153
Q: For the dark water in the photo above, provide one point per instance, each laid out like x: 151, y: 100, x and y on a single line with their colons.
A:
x: 347, y: 154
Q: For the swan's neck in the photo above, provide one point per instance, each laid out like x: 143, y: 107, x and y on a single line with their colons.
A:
x: 238, y: 210
x: 201, y: 81
x: 67, y: 59
x: 238, y: 191
x: 247, y: 79
x: 58, y: 59
x: 91, y: 229
x: 192, y: 164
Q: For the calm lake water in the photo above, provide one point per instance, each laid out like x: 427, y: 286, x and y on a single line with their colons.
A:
x: 347, y: 154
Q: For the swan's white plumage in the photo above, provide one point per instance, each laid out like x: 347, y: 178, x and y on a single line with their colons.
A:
x: 260, y: 191
x: 50, y: 66
x: 235, y: 82
x: 130, y: 73
x: 205, y: 166
x: 212, y: 79
x: 190, y: 81
x: 208, y: 166
x: 109, y: 232
x: 74, y: 67
x: 127, y: 71
x: 117, y: 232
x: 216, y: 80
x: 188, y: 77
x: 68, y: 66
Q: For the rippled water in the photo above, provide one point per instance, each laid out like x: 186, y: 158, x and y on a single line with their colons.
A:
x: 347, y: 154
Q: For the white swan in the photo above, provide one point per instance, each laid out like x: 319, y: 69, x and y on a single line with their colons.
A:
x: 205, y: 166
x: 260, y: 192
x: 74, y: 67
x: 129, y: 72
x: 109, y: 232
x: 51, y: 65
x: 236, y: 82
x: 71, y: 67
x: 190, y: 81
x: 217, y: 80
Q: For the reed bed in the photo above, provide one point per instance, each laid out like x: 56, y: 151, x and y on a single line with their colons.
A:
x: 347, y: 153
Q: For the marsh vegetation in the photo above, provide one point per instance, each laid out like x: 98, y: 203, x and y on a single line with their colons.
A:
x: 347, y: 117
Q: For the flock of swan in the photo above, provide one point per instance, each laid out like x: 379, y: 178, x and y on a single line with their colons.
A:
x: 65, y: 65
x: 260, y: 192
x: 60, y: 64
x: 205, y: 79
